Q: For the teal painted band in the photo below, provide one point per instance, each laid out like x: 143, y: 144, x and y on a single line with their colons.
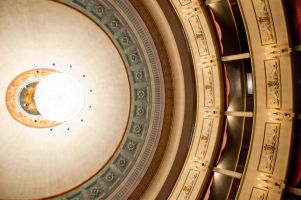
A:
x: 134, y: 43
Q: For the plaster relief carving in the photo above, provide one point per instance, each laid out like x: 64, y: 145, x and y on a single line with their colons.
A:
x: 264, y: 21
x: 208, y: 87
x: 204, y: 138
x: 273, y: 83
x: 258, y: 194
x: 269, y: 148
x: 189, y: 184
x: 199, y: 35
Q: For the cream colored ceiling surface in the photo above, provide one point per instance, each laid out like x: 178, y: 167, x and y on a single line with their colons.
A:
x: 105, y: 151
x: 34, y: 162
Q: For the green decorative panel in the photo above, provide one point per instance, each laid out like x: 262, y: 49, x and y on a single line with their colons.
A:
x: 131, y: 37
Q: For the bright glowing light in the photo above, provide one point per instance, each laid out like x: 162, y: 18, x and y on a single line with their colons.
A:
x: 59, y: 97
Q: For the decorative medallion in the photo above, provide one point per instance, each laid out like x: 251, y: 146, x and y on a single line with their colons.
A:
x: 20, y: 98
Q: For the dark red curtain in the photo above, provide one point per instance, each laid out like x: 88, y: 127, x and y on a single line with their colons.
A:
x: 295, y: 18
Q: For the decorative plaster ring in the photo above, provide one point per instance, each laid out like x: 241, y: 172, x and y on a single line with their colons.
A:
x: 19, y: 98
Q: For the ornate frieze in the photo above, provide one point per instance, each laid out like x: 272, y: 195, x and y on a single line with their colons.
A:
x: 258, y: 194
x: 189, y: 184
x: 208, y: 87
x: 264, y: 21
x: 95, y: 191
x: 204, y: 138
x: 100, y: 10
x: 273, y: 83
x: 121, y: 162
x: 206, y: 61
x: 134, y: 43
x: 125, y: 40
x: 199, y: 35
x: 114, y: 24
x: 140, y: 94
x: 134, y: 57
x: 269, y: 148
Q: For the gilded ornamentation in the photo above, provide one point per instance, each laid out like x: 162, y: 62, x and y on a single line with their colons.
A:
x: 199, y: 35
x: 273, y: 83
x: 258, y: 194
x: 209, y: 87
x: 264, y: 21
x: 269, y: 148
x: 204, y: 138
x: 189, y: 184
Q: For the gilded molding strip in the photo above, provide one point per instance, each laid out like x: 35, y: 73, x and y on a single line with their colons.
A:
x: 208, y: 87
x: 258, y: 194
x: 199, y: 35
x: 189, y: 184
x: 204, y: 138
x: 206, y: 61
x: 268, y: 49
x: 264, y: 21
x: 269, y: 148
x: 273, y: 83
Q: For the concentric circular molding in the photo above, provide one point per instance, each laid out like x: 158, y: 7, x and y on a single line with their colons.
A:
x: 123, y: 171
x: 120, y: 20
x: 59, y: 159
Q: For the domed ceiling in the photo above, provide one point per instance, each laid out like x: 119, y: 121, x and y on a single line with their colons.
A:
x: 106, y: 141
x: 147, y: 99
